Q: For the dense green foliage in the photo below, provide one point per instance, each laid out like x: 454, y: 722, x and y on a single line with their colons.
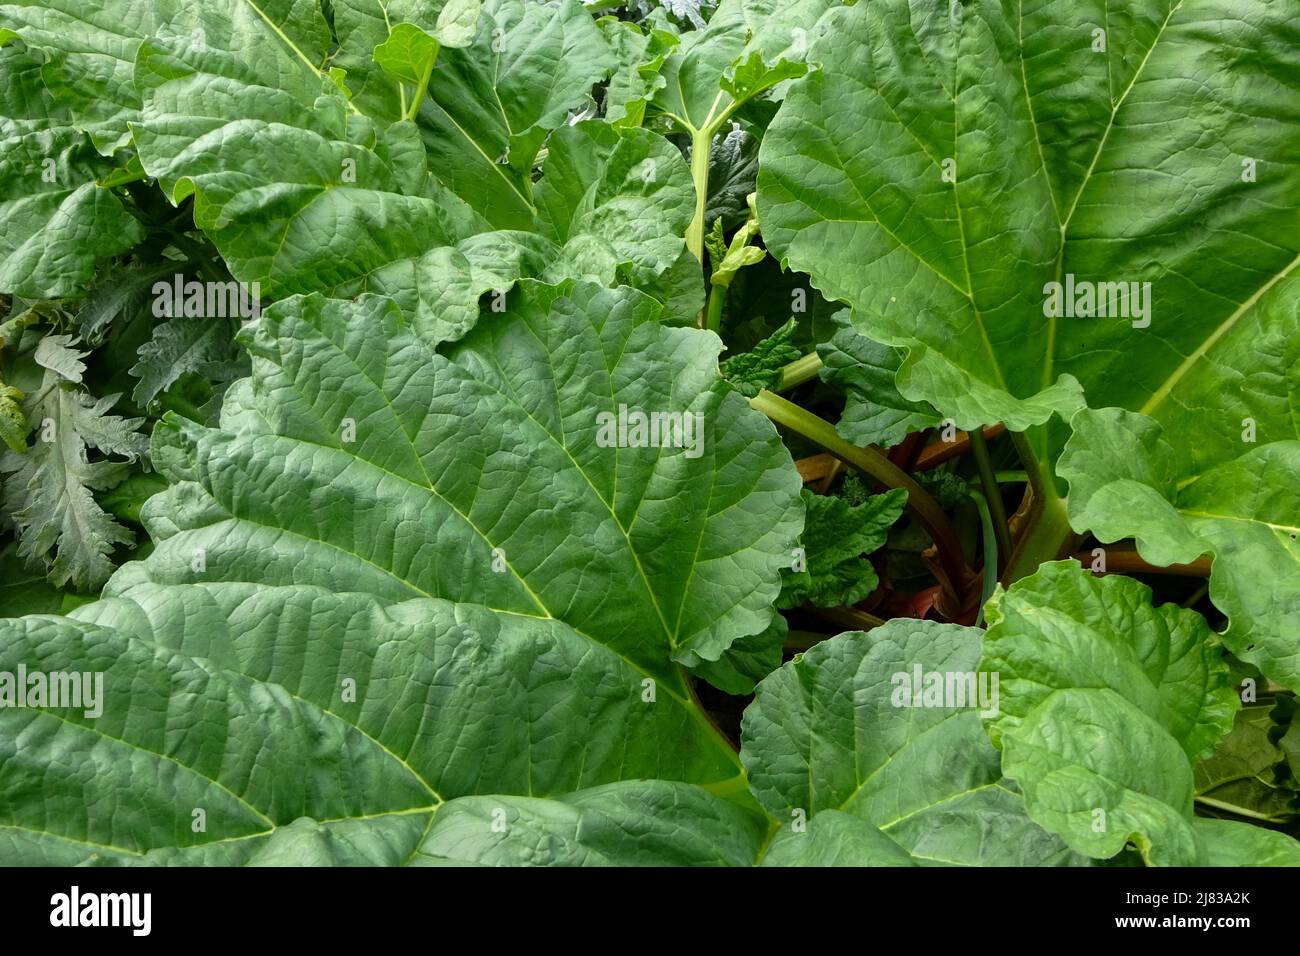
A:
x: 959, y: 525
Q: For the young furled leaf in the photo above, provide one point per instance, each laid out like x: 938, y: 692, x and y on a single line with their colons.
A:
x: 761, y: 367
x: 835, y: 538
x: 728, y: 259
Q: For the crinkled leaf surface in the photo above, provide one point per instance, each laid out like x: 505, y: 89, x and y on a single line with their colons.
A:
x: 733, y: 173
x: 1105, y: 700
x: 58, y: 223
x: 88, y: 52
x: 525, y: 588
x: 747, y: 661
x: 1119, y: 166
x: 449, y: 700
x: 763, y: 365
x: 1125, y: 481
x: 1064, y: 627
x: 614, y: 201
x: 486, y: 455
x: 824, y: 733
x: 837, y: 535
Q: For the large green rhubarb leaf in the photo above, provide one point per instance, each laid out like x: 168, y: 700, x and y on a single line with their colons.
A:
x: 302, y: 192
x: 492, y: 103
x: 59, y: 223
x: 526, y: 598
x: 274, y: 709
x: 486, y: 475
x: 840, y: 729
x: 641, y: 823
x: 1125, y: 481
x: 88, y: 56
x: 949, y: 161
x: 1106, y: 700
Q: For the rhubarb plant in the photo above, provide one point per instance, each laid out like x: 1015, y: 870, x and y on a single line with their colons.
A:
x: 740, y: 433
